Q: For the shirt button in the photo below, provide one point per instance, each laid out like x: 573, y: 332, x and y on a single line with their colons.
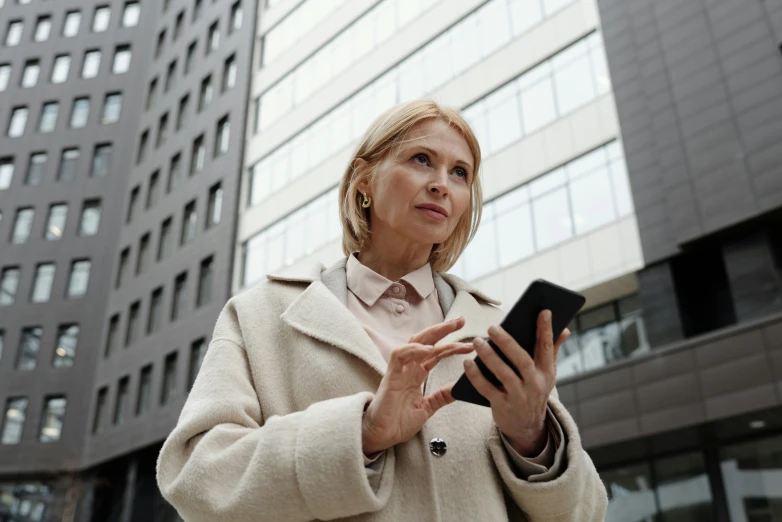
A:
x: 395, y: 289
x: 400, y: 308
x: 438, y: 447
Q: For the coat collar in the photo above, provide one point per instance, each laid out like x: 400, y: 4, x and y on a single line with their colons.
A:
x: 320, y: 311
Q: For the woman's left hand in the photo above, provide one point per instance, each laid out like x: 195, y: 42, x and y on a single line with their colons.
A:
x: 519, y: 408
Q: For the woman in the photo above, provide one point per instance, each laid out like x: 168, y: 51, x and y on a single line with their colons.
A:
x: 318, y: 394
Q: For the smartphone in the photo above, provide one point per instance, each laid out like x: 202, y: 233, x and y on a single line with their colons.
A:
x: 521, y: 323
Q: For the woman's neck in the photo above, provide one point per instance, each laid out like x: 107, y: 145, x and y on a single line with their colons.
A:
x: 394, y: 263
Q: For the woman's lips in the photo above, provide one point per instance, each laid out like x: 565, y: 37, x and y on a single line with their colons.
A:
x: 432, y: 213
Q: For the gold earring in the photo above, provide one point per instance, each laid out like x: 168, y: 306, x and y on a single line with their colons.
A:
x: 367, y: 201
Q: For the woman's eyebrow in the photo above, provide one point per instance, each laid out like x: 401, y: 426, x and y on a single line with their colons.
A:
x: 437, y: 155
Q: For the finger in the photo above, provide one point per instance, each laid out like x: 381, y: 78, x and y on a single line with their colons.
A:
x: 436, y: 332
x: 564, y: 336
x: 450, y: 350
x: 481, y: 384
x: 544, y: 348
x: 517, y: 355
x: 438, y: 399
x: 496, y: 365
x: 406, y: 353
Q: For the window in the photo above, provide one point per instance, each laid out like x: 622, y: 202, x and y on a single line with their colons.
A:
x: 205, y: 282
x: 13, y: 421
x: 100, y: 20
x: 170, y: 76
x: 161, y: 42
x: 153, y: 188
x: 184, y: 106
x: 100, y: 410
x: 101, y: 160
x: 144, y: 389
x: 9, y: 285
x: 29, y: 345
x: 229, y: 73
x: 191, y: 50
x: 162, y: 130
x: 90, y: 218
x: 223, y: 136
x: 122, y: 269
x: 166, y: 5
x: 67, y: 342
x: 164, y: 244
x: 121, y: 60
x: 6, y: 172
x: 5, y: 76
x: 32, y: 69
x: 180, y: 19
x: 179, y: 304
x: 53, y: 415
x: 91, y: 64
x: 80, y: 113
x: 197, y: 353
x: 151, y: 93
x: 174, y: 173
x: 22, y: 225
x: 55, y: 223
x: 198, y: 155
x: 205, y: 96
x: 36, y: 168
x: 197, y: 7
x: 189, y: 223
x: 111, y: 336
x: 130, y: 16
x: 132, y: 204
x: 62, y: 65
x: 236, y: 17
x: 18, y: 122
x: 72, y: 23
x: 121, y: 401
x: 80, y: 278
x: 142, y: 260
x: 155, y: 311
x: 213, y: 40
x: 215, y: 206
x: 112, y: 107
x: 169, y: 379
x: 69, y: 164
x: 132, y: 332
x: 14, y: 33
x: 49, y: 115
x: 142, y: 146
x: 43, y: 28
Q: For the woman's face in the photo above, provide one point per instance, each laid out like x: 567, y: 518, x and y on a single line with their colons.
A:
x: 422, y: 188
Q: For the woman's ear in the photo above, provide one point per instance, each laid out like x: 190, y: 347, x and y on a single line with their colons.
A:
x: 358, y: 165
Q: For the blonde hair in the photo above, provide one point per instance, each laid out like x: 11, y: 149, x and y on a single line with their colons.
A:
x: 382, y: 136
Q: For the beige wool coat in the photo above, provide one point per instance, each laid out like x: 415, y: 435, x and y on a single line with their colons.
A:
x: 271, y: 430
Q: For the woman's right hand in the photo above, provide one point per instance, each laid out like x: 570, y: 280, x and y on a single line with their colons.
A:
x: 399, y: 409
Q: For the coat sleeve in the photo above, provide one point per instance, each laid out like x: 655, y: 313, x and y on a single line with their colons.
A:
x: 224, y: 461
x: 577, y: 494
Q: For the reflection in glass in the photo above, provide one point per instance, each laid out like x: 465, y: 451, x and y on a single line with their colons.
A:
x: 752, y: 474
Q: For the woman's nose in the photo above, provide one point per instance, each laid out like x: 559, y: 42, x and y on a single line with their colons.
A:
x: 439, y: 184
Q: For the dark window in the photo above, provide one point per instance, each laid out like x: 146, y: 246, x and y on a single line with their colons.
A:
x: 191, y: 50
x: 229, y: 73
x: 213, y: 39
x: 69, y: 164
x: 198, y: 155
x: 55, y: 221
x: 170, y: 76
x: 197, y: 353
x: 100, y: 410
x: 111, y: 336
x: 189, y: 222
x: 152, y: 189
x: 13, y: 420
x: 52, y: 419
x: 132, y: 332
x: 133, y: 203
x: 161, y: 41
x: 175, y: 174
x: 142, y: 146
x: 65, y: 349
x: 29, y: 345
x: 162, y: 130
x: 215, y: 208
x: 122, y: 270
x: 169, y: 379
x: 164, y: 244
x: 155, y: 311
x: 205, y: 281
x: 142, y: 259
x: 197, y: 5
x: 36, y: 168
x: 9, y: 285
x: 151, y: 93
x: 101, y: 160
x: 121, y: 401
x: 222, y: 136
x: 180, y: 18
x: 236, y: 16
x: 205, y: 96
x: 144, y: 389
x: 179, y: 303
x: 90, y: 218
x: 184, y: 106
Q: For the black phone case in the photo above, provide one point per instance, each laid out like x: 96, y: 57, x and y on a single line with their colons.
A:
x: 521, y: 324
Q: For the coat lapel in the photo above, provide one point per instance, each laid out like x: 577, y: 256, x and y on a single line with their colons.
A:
x: 320, y: 311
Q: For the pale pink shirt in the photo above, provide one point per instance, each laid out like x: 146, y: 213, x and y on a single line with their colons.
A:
x: 393, y: 311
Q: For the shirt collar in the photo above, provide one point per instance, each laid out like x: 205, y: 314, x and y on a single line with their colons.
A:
x: 368, y: 285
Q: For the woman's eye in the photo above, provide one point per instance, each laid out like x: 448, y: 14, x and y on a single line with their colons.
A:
x: 423, y: 159
x: 461, y: 173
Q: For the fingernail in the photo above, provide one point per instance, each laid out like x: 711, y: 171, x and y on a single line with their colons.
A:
x: 494, y: 330
x: 468, y: 363
x: 547, y: 316
x: 455, y: 319
x: 479, y: 341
